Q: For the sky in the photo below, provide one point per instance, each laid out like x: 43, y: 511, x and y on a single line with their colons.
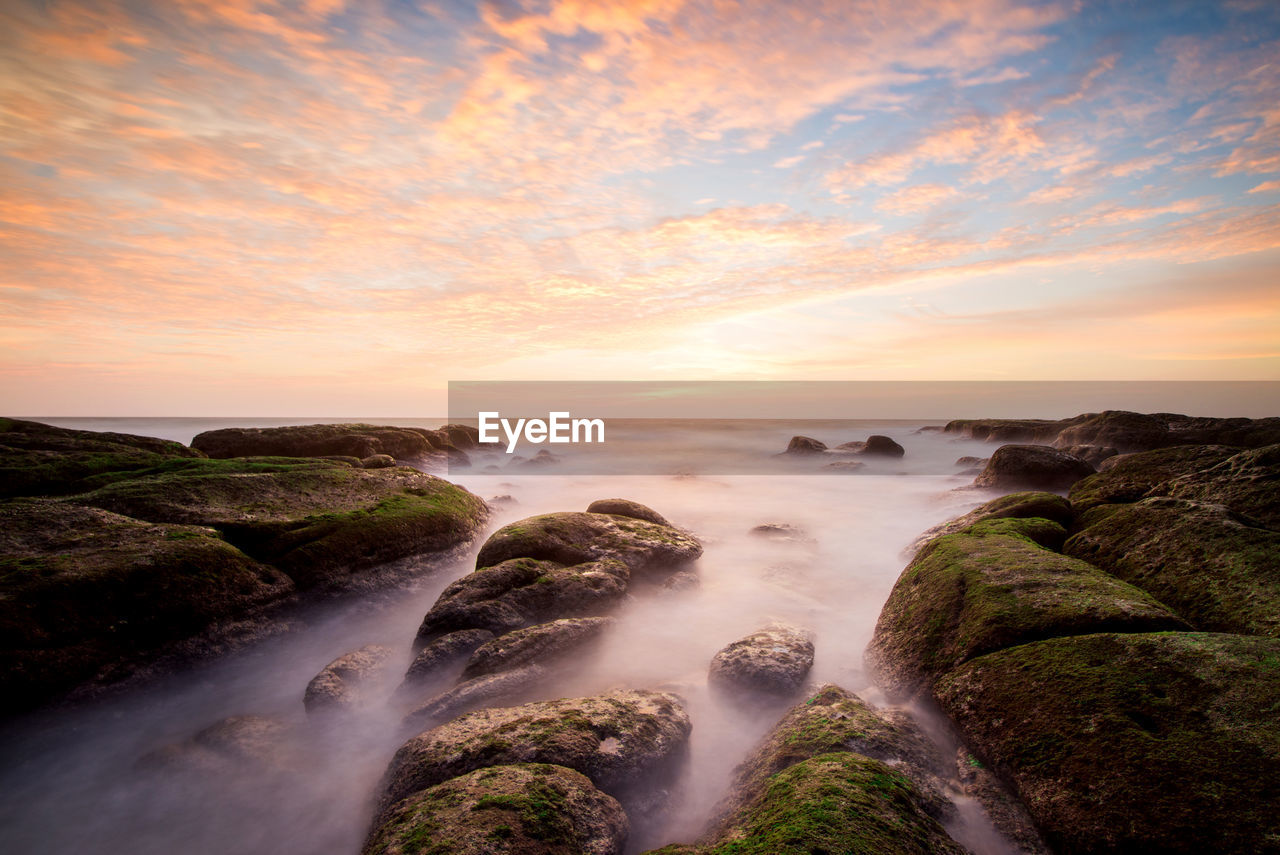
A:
x: 270, y: 207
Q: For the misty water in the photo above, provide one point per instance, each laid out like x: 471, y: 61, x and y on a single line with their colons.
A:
x: 71, y: 780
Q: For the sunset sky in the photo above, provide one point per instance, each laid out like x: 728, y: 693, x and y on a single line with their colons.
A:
x: 329, y: 207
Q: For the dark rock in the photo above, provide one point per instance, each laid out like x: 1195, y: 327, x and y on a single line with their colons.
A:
x: 504, y: 499
x: 542, y: 643
x: 1010, y: 430
x: 1118, y: 429
x: 845, y: 466
x: 463, y: 437
x: 627, y: 508
x: 1247, y: 483
x: 239, y: 744
x: 992, y: 587
x: 378, y: 461
x: 684, y: 580
x: 781, y: 533
x: 346, y: 681
x: 805, y: 445
x: 1130, y: 477
x: 1091, y: 730
x: 875, y: 445
x: 618, y: 740
x: 1048, y: 506
x: 1218, y: 570
x: 519, y: 809
x: 1032, y: 466
x: 773, y: 661
x: 1091, y: 454
x: 969, y: 460
x: 522, y: 592
x: 345, y: 440
x: 444, y: 653
x: 489, y: 690
x: 541, y: 459
x: 574, y: 538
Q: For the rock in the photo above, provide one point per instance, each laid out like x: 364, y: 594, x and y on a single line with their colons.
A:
x: 992, y: 587
x: 1217, y: 569
x: 1091, y: 454
x: 1130, y: 477
x: 445, y: 652
x: 87, y: 594
x: 781, y: 533
x: 42, y: 460
x: 523, y: 809
x: 1010, y: 430
x: 619, y: 740
x: 875, y: 445
x: 1032, y: 466
x: 241, y: 743
x: 541, y: 459
x: 346, y: 440
x: 505, y: 687
x: 841, y: 802
x: 1248, y: 483
x: 345, y: 681
x: 684, y: 580
x: 627, y: 508
x: 504, y: 499
x: 969, y: 460
x: 463, y: 437
x: 542, y: 643
x: 319, y: 522
x: 1048, y: 506
x: 574, y: 538
x: 1118, y: 429
x: 1091, y: 730
x: 976, y: 781
x: 773, y: 661
x: 845, y: 466
x: 378, y: 461
x: 805, y: 445
x: 523, y: 591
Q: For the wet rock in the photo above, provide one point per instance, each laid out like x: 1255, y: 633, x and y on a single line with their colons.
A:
x: 1118, y: 429
x: 378, y: 461
x: 875, y: 445
x: 969, y: 460
x: 345, y: 681
x: 523, y: 591
x: 684, y: 580
x: 521, y: 809
x: 543, y: 643
x: 773, y: 661
x: 41, y: 460
x: 975, y: 780
x: 504, y: 499
x: 619, y: 740
x: 463, y: 437
x: 627, y: 508
x: 1130, y: 477
x: 1217, y: 569
x: 505, y: 687
x: 1090, y: 731
x: 235, y: 744
x: 803, y: 445
x: 1011, y: 430
x: 322, y: 440
x: 1248, y: 483
x: 1032, y: 466
x: 87, y: 594
x: 444, y: 653
x: 991, y: 587
x: 1091, y: 454
x: 1048, y: 506
x: 845, y: 466
x: 781, y: 533
x: 573, y: 538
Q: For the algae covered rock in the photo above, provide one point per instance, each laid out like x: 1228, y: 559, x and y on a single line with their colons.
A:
x: 524, y: 591
x: 618, y: 740
x: 1032, y: 466
x: 488, y: 690
x: 445, y: 652
x: 85, y: 592
x: 773, y: 661
x: 1132, y: 476
x: 627, y: 508
x: 1133, y: 742
x: 1219, y: 571
x: 574, y: 538
x: 541, y: 643
x: 1247, y: 483
x: 321, y: 440
x: 346, y: 681
x: 519, y: 809
x: 991, y: 587
x: 1047, y: 506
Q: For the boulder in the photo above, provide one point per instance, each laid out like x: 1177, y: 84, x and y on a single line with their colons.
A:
x: 844, y: 466
x: 89, y: 594
x: 489, y: 690
x: 1010, y: 430
x: 574, y: 538
x: 992, y: 587
x: 627, y: 508
x: 378, y: 461
x: 346, y: 440
x: 463, y: 437
x: 1118, y: 429
x: 1219, y: 570
x: 1032, y: 466
x: 42, y: 460
x: 1248, y: 483
x: 805, y: 445
x: 875, y: 445
x: 1131, y: 742
x: 444, y: 653
x: 519, y: 809
x: 1048, y: 506
x: 524, y: 591
x: 345, y: 682
x: 969, y: 460
x: 1091, y: 454
x: 238, y: 744
x: 541, y: 644
x: 1130, y: 477
x: 619, y: 740
x: 773, y: 661
x: 781, y: 533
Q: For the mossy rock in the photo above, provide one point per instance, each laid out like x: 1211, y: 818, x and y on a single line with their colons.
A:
x: 1037, y: 467
x: 1132, y: 476
x: 42, y: 460
x: 1132, y: 742
x: 970, y: 593
x: 525, y: 809
x: 1247, y: 483
x: 84, y: 591
x: 773, y: 661
x: 1021, y: 505
x: 542, y: 643
x: 618, y: 740
x: 577, y: 537
x: 321, y: 440
x: 841, y: 802
x: 1219, y: 571
x: 347, y: 681
x: 521, y: 592
x: 319, y: 521
x: 627, y: 508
